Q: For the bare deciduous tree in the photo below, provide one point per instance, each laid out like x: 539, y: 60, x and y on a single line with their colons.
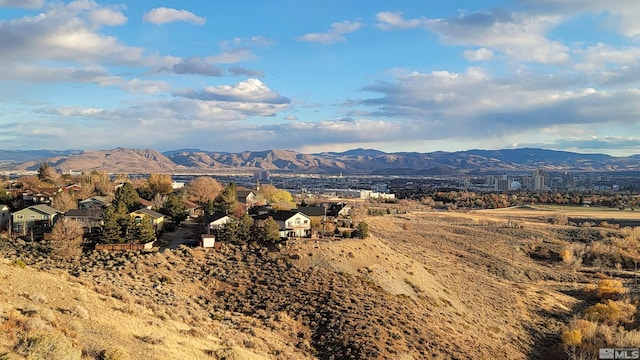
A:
x: 204, y: 189
x: 66, y: 238
x: 160, y: 183
x: 64, y: 202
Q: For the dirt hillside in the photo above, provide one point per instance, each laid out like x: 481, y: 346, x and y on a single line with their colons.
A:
x: 428, y: 285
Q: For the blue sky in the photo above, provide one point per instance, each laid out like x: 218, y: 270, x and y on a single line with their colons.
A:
x: 320, y: 75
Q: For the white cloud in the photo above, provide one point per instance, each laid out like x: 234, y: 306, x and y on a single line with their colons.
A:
x: 67, y: 33
x: 520, y: 36
x: 24, y: 4
x: 475, y: 104
x: 231, y: 57
x: 95, y: 74
x: 335, y: 34
x: 388, y: 20
x: 164, y: 15
x: 620, y: 15
x: 195, y: 66
x: 248, y: 94
x: 482, y: 54
x: 107, y: 17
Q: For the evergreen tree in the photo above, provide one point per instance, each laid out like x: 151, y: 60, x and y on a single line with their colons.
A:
x: 227, y: 202
x: 269, y: 232
x: 142, y: 231
x: 229, y: 231
x: 111, y: 228
x: 127, y: 224
x: 245, y: 224
x: 127, y: 196
x: 175, y: 209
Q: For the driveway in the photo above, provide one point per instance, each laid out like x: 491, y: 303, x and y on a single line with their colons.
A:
x: 184, y: 232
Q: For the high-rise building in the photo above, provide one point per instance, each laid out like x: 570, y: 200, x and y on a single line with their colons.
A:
x: 539, y: 180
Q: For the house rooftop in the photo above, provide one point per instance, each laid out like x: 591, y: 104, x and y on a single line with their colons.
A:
x: 44, y: 209
x: 312, y: 210
x: 149, y: 212
x: 279, y: 215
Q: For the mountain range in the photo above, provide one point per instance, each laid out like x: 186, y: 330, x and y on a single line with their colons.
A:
x: 356, y: 161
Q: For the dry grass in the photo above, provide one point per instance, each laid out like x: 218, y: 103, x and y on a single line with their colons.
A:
x: 423, y: 285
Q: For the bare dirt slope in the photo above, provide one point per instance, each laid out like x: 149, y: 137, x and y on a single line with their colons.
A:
x: 430, y: 285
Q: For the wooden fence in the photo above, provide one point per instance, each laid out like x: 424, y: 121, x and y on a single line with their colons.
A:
x: 124, y: 247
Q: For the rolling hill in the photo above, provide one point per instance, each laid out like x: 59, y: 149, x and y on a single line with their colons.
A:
x: 356, y: 161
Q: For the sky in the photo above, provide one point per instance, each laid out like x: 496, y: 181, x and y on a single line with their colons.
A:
x: 316, y: 75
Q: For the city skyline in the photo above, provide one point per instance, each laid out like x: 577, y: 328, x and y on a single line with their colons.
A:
x: 321, y: 76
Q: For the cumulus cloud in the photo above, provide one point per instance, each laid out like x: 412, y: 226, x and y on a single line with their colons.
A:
x: 474, y: 103
x: 291, y: 117
x: 388, y: 20
x: 620, y: 15
x: 24, y: 4
x: 481, y: 54
x: 242, y: 71
x: 95, y: 74
x: 195, y: 66
x: 335, y: 34
x: 107, y: 17
x: 164, y: 15
x: 231, y: 56
x: 250, y: 91
x: 520, y: 36
x: 69, y: 33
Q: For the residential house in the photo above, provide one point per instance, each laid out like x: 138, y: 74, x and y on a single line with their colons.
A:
x: 193, y: 209
x: 338, y: 209
x: 216, y: 223
x: 40, y: 195
x: 314, y: 211
x: 90, y: 218
x: 146, y: 204
x: 35, y: 216
x: 246, y: 196
x: 157, y: 219
x: 292, y: 223
x: 5, y: 215
x: 94, y: 202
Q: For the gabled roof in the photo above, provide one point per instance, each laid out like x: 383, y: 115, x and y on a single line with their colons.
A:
x: 245, y: 193
x: 145, y: 203
x: 218, y: 219
x: 43, y: 209
x: 189, y: 204
x: 99, y: 199
x: 279, y: 215
x: 84, y: 213
x: 312, y: 210
x: 148, y: 212
x: 4, y: 207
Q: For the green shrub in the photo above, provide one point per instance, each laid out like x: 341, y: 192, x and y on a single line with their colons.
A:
x: 19, y: 263
x: 47, y: 346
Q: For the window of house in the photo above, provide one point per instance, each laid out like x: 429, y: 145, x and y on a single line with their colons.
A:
x: 32, y: 216
x: 306, y: 221
x: 19, y: 217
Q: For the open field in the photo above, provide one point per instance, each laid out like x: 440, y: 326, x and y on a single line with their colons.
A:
x: 481, y: 284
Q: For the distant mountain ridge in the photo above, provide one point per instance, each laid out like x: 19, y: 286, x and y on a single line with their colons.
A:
x: 356, y: 161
